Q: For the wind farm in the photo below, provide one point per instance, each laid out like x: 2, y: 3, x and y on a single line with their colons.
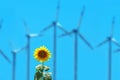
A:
x: 50, y: 54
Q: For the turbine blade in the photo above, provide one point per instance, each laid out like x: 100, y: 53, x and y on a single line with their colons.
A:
x: 26, y: 27
x: 115, y: 42
x: 81, y: 17
x: 11, y: 45
x: 16, y: 50
x: 61, y: 28
x: 57, y: 11
x: 1, y: 22
x: 86, y: 42
x: 5, y: 57
x: 65, y: 34
x: 46, y: 28
x: 35, y: 35
x: 20, y: 49
x: 102, y: 43
x: 112, y: 29
x: 118, y: 50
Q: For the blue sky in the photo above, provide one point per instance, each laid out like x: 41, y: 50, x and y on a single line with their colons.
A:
x: 96, y: 26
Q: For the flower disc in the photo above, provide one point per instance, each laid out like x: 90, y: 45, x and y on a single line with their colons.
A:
x: 42, y: 54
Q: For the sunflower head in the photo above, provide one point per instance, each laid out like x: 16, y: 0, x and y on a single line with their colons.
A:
x: 42, y: 54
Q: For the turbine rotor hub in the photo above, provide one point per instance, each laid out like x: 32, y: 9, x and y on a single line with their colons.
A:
x: 109, y: 38
x: 54, y: 23
x: 75, y: 30
x: 28, y: 36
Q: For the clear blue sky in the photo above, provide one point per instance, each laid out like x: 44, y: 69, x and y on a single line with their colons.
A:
x: 96, y: 26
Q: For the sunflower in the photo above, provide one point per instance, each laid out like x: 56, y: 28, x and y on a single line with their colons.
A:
x: 42, y: 54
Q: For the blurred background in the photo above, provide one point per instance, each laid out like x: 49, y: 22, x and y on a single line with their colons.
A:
x: 95, y: 27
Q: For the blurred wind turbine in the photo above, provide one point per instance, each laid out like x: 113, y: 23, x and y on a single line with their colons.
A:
x: 14, y: 52
x: 55, y: 24
x: 5, y: 57
x: 1, y: 52
x: 1, y: 22
x: 29, y: 36
x: 76, y: 34
x: 110, y: 40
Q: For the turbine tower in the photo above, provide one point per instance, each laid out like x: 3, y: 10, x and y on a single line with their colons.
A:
x: 76, y: 34
x: 1, y: 52
x: 14, y: 52
x: 29, y: 36
x: 110, y: 40
x: 55, y: 24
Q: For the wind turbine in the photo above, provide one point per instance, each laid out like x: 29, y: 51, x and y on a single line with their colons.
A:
x: 76, y: 34
x: 110, y: 40
x: 1, y: 52
x: 55, y: 24
x: 29, y: 36
x: 14, y: 52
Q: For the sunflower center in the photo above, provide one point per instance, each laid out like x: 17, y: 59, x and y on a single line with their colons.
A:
x: 42, y: 54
